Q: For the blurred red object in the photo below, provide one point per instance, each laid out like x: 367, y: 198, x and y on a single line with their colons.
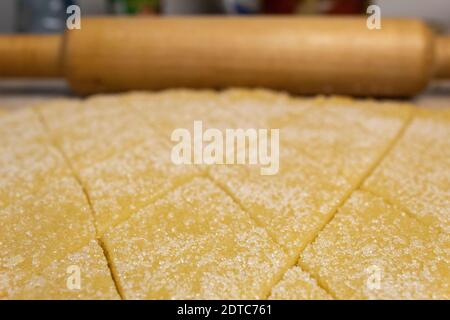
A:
x: 347, y: 6
x: 321, y: 6
x: 280, y: 6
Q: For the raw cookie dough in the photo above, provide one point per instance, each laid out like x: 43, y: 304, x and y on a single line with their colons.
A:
x: 122, y: 184
x: 93, y: 130
x: 374, y: 250
x: 233, y: 108
x: 55, y: 282
x: 90, y: 183
x: 194, y: 243
x: 324, y: 155
x: 416, y: 174
x: 44, y: 214
x: 298, y: 285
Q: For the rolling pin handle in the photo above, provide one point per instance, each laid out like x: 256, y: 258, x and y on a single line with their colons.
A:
x: 30, y: 56
x: 443, y: 57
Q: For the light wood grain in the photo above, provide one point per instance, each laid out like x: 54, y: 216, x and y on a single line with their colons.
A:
x: 301, y: 55
x: 30, y: 56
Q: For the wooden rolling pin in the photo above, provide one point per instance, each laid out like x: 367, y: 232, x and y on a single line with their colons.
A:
x: 301, y: 55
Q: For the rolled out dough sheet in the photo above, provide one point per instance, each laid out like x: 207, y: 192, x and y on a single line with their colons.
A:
x: 90, y: 184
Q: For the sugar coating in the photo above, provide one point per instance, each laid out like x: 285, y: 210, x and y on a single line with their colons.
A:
x: 27, y: 161
x: 121, y: 185
x: 126, y: 181
x: 233, y: 108
x: 373, y: 250
x: 298, y: 285
x: 291, y: 205
x: 44, y: 214
x: 324, y: 155
x: 22, y: 125
x: 232, y: 233
x: 173, y: 109
x: 194, y: 243
x: 262, y: 108
x: 346, y: 136
x: 84, y: 130
x: 27, y: 170
x: 416, y: 174
x: 41, y: 227
x: 55, y: 282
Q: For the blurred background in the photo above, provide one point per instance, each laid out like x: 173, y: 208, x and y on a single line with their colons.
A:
x: 44, y: 16
x: 49, y: 16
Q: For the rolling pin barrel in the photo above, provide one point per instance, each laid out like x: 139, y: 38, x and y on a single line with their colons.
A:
x: 301, y: 55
